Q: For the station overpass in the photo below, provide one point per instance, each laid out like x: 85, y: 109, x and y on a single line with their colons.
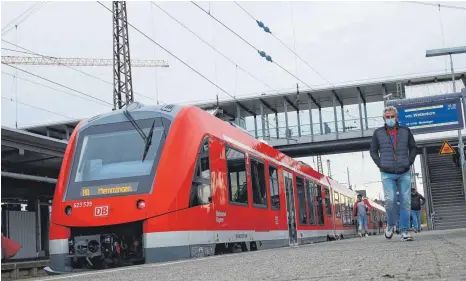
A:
x: 309, y: 136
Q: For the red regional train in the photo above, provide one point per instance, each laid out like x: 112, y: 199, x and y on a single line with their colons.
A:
x: 148, y: 184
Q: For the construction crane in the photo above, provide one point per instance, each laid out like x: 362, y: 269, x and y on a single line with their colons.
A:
x: 77, y: 61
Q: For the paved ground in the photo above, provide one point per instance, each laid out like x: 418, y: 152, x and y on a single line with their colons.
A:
x: 435, y: 255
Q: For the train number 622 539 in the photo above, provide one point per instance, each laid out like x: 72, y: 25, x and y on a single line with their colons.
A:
x: 82, y: 204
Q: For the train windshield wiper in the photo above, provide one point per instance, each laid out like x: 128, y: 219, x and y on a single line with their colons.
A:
x: 147, y: 139
x: 148, y: 142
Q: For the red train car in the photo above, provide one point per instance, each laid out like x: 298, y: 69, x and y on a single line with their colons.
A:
x: 156, y: 183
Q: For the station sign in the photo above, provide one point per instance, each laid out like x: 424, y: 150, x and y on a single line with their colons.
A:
x: 433, y: 116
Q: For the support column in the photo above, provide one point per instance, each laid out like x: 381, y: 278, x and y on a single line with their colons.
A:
x: 343, y: 118
x: 286, y: 122
x: 360, y: 115
x: 276, y: 126
x: 428, y: 195
x: 365, y: 114
x: 310, y: 120
x: 335, y: 114
x: 268, y: 127
x: 299, y: 123
x: 238, y: 115
x: 255, y: 126
x: 38, y: 227
x: 262, y: 120
x: 320, y: 122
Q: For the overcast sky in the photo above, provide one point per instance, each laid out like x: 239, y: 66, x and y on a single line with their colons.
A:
x: 344, y: 41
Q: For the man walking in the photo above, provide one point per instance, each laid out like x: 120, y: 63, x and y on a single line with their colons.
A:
x: 416, y: 205
x: 361, y: 208
x: 393, y: 150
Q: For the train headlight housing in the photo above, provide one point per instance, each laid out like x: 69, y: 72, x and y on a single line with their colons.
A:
x: 141, y: 204
x: 68, y: 210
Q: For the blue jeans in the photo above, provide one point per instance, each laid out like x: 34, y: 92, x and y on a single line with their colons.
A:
x: 416, y: 219
x: 390, y: 182
x: 362, y: 222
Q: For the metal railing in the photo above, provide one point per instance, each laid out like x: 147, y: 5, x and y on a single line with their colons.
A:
x: 327, y: 127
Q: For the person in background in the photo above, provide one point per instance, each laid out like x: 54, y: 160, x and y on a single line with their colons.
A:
x: 416, y: 206
x: 361, y: 208
x: 393, y: 150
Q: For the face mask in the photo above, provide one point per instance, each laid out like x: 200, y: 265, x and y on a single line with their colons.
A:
x: 390, y: 122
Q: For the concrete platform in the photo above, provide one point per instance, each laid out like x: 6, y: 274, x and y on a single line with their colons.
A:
x: 435, y: 255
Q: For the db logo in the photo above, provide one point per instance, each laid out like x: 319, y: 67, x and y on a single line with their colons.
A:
x: 101, y: 211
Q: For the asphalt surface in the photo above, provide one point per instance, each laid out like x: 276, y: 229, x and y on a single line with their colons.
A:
x: 433, y: 255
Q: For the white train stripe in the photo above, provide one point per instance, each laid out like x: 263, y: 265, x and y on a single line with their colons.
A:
x: 58, y: 246
x: 183, y: 238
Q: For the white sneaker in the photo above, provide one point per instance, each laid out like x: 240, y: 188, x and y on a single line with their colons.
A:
x: 405, y: 236
x: 367, y: 235
x: 389, y: 232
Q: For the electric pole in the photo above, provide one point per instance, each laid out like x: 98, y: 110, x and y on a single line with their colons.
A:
x: 122, y: 81
x: 328, y: 169
x: 320, y: 168
x: 349, y: 183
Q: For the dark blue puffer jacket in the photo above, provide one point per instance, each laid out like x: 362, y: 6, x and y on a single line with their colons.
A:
x: 383, y: 153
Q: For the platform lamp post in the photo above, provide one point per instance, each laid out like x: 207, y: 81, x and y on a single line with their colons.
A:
x: 450, y: 52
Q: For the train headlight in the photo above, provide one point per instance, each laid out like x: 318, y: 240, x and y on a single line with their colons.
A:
x: 141, y: 204
x: 68, y: 210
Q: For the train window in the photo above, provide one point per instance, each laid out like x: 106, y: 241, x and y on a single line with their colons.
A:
x: 302, y: 214
x: 336, y: 197
x: 237, y: 183
x: 328, y: 205
x: 311, y: 202
x: 274, y: 194
x: 201, y: 192
x: 259, y: 189
x: 320, y: 205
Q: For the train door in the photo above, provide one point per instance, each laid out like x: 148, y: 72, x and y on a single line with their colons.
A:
x: 290, y: 207
x: 320, y: 206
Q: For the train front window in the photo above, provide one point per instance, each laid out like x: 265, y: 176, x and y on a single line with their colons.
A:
x: 116, y: 155
x: 108, y: 159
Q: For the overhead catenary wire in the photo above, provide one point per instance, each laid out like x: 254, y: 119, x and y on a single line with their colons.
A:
x: 215, y: 49
x: 170, y: 53
x: 55, y: 89
x: 173, y: 55
x: 36, y: 107
x: 284, y: 44
x: 443, y: 36
x: 70, y: 67
x: 262, y: 53
x: 32, y: 10
x: 10, y: 23
x: 56, y: 83
x: 435, y: 5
